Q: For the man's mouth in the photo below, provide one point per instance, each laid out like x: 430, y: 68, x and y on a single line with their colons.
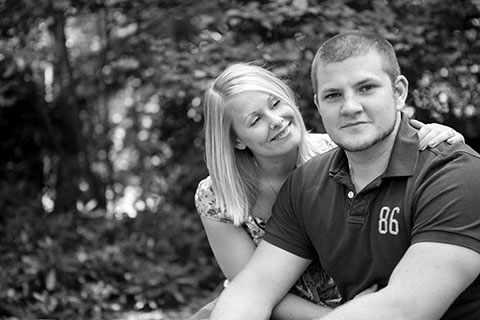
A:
x: 353, y: 124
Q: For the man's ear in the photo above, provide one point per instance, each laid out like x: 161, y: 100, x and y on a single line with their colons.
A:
x: 401, y: 91
x: 315, y: 100
x: 240, y: 145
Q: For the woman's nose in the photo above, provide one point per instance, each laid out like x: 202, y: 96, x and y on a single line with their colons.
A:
x: 275, y: 122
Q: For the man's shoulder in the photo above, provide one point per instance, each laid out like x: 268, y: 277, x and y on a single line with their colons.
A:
x: 449, y: 152
x: 327, y: 156
x: 449, y: 163
x: 317, y: 165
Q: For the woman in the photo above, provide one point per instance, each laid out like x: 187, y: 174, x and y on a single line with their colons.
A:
x: 254, y: 138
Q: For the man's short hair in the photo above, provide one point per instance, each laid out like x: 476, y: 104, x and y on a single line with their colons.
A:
x: 351, y: 44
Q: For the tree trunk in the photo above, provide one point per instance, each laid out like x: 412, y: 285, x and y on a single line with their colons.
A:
x: 74, y: 163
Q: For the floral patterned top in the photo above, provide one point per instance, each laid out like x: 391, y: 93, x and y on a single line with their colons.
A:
x: 315, y: 284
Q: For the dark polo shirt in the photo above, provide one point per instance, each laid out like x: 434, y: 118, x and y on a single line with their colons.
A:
x: 429, y: 195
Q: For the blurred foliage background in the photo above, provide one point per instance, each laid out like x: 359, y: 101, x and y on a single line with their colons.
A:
x: 101, y: 131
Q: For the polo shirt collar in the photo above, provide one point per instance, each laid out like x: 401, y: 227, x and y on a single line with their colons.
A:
x: 405, y: 151
x: 402, y: 160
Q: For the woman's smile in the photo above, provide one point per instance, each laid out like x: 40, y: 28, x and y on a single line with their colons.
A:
x: 283, y: 132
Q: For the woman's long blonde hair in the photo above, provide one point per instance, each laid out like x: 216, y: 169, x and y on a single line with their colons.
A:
x: 234, y: 173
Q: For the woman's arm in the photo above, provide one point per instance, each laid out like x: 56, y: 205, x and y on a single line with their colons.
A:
x: 254, y: 292
x: 233, y: 247
x: 432, y: 134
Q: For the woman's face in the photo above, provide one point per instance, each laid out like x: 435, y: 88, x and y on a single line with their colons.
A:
x: 264, y: 124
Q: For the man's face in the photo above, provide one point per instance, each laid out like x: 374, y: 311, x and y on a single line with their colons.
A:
x: 357, y: 102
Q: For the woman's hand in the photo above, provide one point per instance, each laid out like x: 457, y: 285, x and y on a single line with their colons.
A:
x: 433, y: 134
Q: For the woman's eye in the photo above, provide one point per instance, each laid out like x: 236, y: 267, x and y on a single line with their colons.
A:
x: 255, y: 121
x: 275, y: 103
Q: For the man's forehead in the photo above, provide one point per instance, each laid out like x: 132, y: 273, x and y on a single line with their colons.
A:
x: 351, y: 70
x: 329, y: 81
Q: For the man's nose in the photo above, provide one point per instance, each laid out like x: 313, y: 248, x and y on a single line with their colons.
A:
x: 351, y: 104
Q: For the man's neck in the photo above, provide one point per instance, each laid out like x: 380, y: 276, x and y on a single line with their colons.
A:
x: 367, y: 165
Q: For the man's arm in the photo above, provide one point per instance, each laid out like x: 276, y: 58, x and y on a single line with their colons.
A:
x: 423, y: 285
x: 255, y: 291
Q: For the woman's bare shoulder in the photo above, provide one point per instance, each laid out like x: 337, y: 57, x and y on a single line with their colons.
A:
x: 321, y: 142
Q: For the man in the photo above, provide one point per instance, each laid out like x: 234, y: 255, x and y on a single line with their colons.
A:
x: 376, y: 210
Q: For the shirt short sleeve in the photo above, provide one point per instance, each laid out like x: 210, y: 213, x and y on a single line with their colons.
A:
x: 285, y: 229
x: 206, y: 202
x: 447, y: 203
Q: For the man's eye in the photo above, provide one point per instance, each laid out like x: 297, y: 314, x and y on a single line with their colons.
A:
x: 367, y: 88
x: 331, y: 96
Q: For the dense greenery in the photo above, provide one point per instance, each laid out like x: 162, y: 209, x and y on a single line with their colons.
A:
x: 101, y: 119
